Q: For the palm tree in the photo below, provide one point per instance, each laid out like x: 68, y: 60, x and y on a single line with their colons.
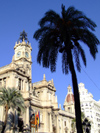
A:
x: 73, y: 124
x: 10, y: 98
x: 86, y: 124
x: 64, y: 34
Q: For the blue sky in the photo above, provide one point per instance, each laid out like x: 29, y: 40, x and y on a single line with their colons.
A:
x: 16, y: 15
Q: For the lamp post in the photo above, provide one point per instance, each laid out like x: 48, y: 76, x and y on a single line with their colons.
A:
x: 86, y: 126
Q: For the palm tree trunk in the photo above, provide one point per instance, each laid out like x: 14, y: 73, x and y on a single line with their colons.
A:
x: 76, y: 94
x: 6, y: 115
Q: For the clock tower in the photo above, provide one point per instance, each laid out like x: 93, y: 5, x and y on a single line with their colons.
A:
x: 22, y: 57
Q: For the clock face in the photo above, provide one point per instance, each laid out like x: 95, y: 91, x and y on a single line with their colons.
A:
x: 26, y: 54
x: 18, y: 54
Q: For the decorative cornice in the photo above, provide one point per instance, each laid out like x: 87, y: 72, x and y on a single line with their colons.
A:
x: 66, y: 115
x: 27, y: 99
x: 22, y: 44
x: 56, y: 109
x: 43, y: 107
x: 14, y: 70
x: 24, y: 59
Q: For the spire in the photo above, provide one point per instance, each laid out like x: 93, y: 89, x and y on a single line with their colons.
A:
x: 52, y: 80
x: 69, y: 89
x: 44, y: 78
x: 23, y: 36
x: 60, y: 106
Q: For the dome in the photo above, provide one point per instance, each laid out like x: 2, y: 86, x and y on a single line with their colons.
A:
x: 70, y: 98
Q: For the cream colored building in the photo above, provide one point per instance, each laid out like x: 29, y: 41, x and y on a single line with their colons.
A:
x: 39, y: 96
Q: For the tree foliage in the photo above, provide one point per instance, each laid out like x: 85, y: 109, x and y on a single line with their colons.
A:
x: 73, y: 124
x: 11, y: 98
x: 61, y: 33
x: 64, y: 34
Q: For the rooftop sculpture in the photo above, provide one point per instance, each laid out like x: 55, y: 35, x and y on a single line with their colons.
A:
x: 23, y: 36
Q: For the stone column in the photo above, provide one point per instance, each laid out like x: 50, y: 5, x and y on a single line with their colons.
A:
x: 57, y: 124
x: 45, y: 120
x: 30, y: 86
x: 50, y: 123
x: 27, y: 115
x: 3, y: 116
x: 1, y: 113
x: 24, y: 117
x: 62, y: 126
x: 2, y: 83
x: 16, y: 81
x: 7, y: 81
x: 26, y: 84
x: 27, y: 124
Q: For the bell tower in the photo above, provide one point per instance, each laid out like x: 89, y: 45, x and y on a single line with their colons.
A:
x: 22, y: 56
x: 69, y: 101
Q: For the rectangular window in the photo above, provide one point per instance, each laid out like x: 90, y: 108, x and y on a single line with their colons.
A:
x: 69, y: 109
x: 98, y: 125
x: 86, y: 104
x: 65, y: 123
x: 19, y: 84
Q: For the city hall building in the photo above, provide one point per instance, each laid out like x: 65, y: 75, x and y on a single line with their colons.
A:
x: 42, y: 113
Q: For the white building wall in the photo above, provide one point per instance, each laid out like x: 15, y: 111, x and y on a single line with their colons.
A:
x: 90, y: 107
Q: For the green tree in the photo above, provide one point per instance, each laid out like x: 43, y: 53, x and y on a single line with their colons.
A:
x: 86, y: 124
x: 73, y: 124
x: 64, y: 34
x: 10, y: 98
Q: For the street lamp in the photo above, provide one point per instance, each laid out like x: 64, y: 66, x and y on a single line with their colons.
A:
x: 86, y: 126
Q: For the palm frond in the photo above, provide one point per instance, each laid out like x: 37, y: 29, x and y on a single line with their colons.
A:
x: 65, y: 65
x: 12, y: 98
x: 40, y: 32
x: 80, y: 51
x: 76, y: 56
x: 60, y: 32
x: 77, y: 16
x: 49, y: 18
x: 48, y: 49
x: 90, y: 40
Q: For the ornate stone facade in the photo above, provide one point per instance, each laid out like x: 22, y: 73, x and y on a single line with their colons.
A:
x: 39, y: 97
